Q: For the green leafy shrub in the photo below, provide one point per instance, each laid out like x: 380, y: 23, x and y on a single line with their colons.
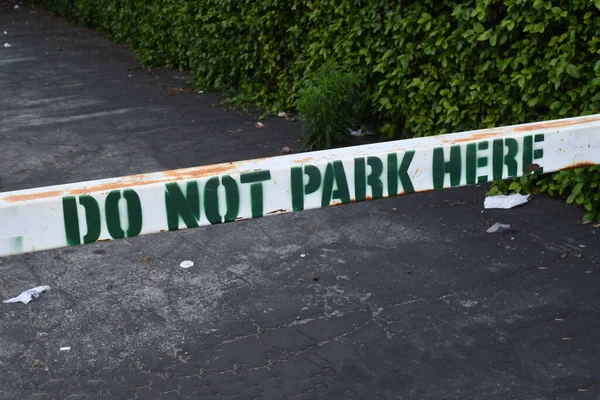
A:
x: 429, y: 66
x: 329, y: 104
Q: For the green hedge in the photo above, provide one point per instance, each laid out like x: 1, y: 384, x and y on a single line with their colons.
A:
x: 429, y: 66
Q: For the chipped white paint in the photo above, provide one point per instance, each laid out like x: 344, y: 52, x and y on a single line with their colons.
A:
x: 87, y: 212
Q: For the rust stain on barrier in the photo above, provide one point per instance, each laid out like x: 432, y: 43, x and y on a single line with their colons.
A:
x: 554, y: 124
x: 303, y: 160
x: 583, y: 164
x: 128, y: 181
x: 476, y: 136
x: 199, y: 172
x: 32, y: 196
x: 532, y: 167
x: 523, y: 128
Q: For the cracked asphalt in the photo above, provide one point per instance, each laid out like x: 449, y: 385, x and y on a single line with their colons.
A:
x: 414, y: 300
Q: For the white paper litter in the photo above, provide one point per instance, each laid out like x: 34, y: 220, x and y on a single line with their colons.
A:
x: 6, y: 33
x: 7, y: 45
x: 186, y: 264
x: 16, y: 6
x: 67, y: 348
x: 282, y: 114
x: 505, y: 202
x: 28, y: 295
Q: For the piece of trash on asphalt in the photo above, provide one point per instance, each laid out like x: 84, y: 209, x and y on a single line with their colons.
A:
x: 186, y: 264
x: 200, y: 91
x: 286, y: 150
x: 259, y: 125
x: 6, y: 33
x: 28, y: 295
x: 302, y: 255
x: 67, y: 348
x: 500, y: 228
x: 356, y: 133
x: 7, y: 45
x: 282, y: 114
x: 505, y: 202
x: 315, y: 278
x: 16, y: 7
x: 360, y: 132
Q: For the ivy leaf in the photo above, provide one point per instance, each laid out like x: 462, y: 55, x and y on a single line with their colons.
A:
x: 485, y: 35
x: 514, y: 186
x: 589, y: 217
x: 494, y: 40
x: 573, y: 71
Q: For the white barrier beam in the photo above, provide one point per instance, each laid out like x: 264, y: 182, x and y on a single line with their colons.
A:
x: 87, y: 212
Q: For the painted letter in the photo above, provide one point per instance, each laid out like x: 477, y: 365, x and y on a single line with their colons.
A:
x: 71, y: 219
x: 185, y: 206
x: 113, y: 217
x: 529, y: 154
x: 373, y: 180
x: 334, y: 172
x: 299, y: 189
x: 474, y: 162
x: 211, y: 199
x: 393, y: 173
x: 499, y: 159
x: 256, y: 190
x: 441, y: 167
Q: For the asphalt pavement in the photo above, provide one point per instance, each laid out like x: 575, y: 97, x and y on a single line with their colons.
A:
x: 403, y: 298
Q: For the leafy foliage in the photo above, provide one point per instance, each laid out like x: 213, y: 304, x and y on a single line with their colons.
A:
x: 429, y: 66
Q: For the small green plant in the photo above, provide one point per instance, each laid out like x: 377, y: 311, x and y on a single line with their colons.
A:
x: 329, y: 104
